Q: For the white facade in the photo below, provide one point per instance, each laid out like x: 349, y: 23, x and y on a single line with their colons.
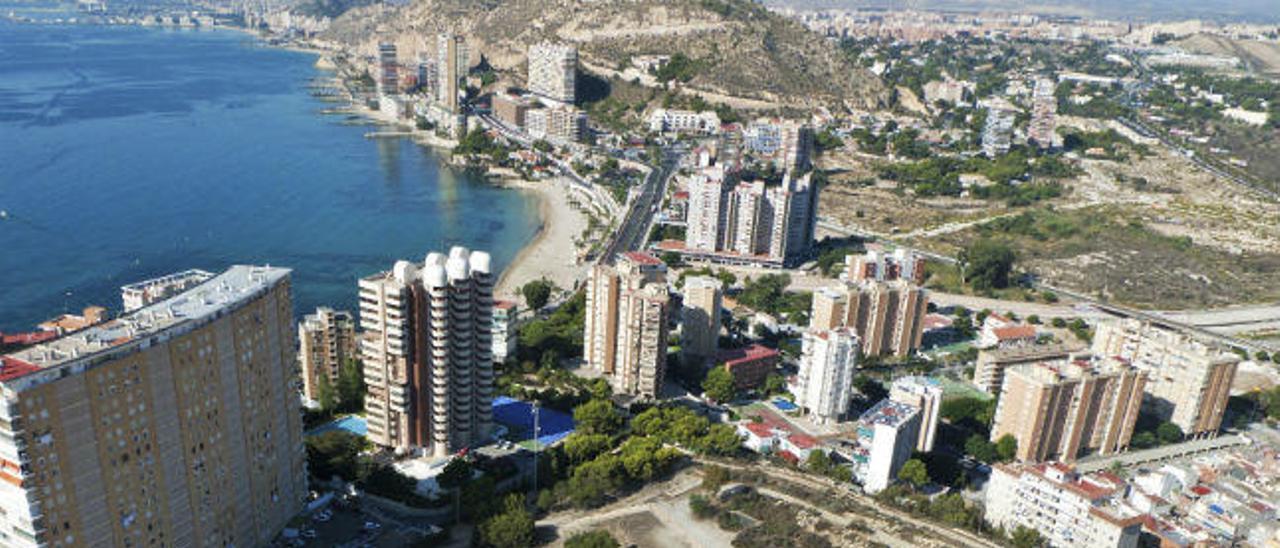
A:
x: 553, y: 71
x: 1067, y: 509
x: 1189, y: 381
x: 926, y: 394
x: 752, y: 220
x: 825, y: 383
x: 427, y: 351
x: 684, y: 121
x: 887, y: 434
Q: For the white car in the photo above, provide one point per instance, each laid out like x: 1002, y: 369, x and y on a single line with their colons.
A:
x: 372, y: 525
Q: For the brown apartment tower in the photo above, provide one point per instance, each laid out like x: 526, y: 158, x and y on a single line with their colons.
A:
x: 888, y: 317
x: 625, y: 337
x: 428, y: 353
x: 177, y: 424
x: 1056, y: 410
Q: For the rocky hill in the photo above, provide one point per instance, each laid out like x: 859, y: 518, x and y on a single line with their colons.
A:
x: 738, y: 48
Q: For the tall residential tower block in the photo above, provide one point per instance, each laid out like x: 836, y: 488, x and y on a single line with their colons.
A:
x: 428, y: 353
x: 1057, y: 410
x: 625, y: 337
x: 177, y: 424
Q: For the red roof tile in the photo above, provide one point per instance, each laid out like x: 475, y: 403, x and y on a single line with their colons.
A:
x: 12, y: 368
x: 642, y: 258
x: 1015, y: 332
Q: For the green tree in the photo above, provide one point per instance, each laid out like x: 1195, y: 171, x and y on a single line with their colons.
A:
x: 1168, y: 433
x: 990, y: 264
x: 592, y: 539
x: 580, y: 447
x: 714, y: 477
x: 351, y: 387
x: 1025, y: 537
x: 979, y: 448
x: 719, y: 385
x: 536, y: 293
x: 721, y: 439
x: 334, y: 453
x: 774, y: 384
x: 870, y: 388
x: 456, y: 473
x: 597, y: 417
x: 513, y: 528
x: 326, y: 396
x: 914, y: 472
x: 1006, y: 447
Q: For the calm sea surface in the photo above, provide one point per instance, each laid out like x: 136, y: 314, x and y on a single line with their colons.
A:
x: 127, y: 153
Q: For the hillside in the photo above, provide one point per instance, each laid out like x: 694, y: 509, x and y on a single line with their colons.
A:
x: 738, y: 48
x: 1257, y: 56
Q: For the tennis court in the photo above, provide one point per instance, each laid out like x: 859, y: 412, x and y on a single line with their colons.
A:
x: 517, y: 416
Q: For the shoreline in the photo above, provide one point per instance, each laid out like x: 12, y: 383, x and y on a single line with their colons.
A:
x: 552, y: 253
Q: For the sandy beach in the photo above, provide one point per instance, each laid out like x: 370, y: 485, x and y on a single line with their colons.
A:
x: 551, y: 254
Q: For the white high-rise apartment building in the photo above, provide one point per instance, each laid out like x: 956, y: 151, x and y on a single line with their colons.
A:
x: 705, y: 229
x: 326, y: 340
x: 886, y: 435
x: 1188, y: 382
x: 925, y: 394
x: 625, y: 337
x: 1069, y: 510
x: 427, y: 349
x: 751, y: 221
x: 824, y: 385
x: 176, y: 424
x: 553, y: 71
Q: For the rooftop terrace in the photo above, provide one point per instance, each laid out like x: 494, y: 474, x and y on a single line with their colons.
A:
x: 236, y: 285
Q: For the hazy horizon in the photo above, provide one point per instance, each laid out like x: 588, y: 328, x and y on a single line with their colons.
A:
x: 1254, y: 11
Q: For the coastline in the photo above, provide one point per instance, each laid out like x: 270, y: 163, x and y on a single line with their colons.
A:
x: 552, y: 253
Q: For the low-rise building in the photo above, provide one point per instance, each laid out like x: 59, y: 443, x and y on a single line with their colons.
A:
x: 1067, y: 509
x: 504, y: 330
x: 999, y: 331
x: 684, y: 121
x: 750, y: 365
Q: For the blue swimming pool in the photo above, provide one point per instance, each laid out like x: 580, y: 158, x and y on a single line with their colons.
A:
x: 351, y: 423
x: 784, y: 404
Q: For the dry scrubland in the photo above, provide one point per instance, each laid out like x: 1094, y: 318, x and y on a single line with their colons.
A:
x: 1151, y: 231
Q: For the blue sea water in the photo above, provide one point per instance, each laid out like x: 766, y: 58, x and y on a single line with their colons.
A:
x: 130, y: 152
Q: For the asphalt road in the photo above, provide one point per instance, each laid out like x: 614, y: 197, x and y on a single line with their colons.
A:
x: 633, y: 232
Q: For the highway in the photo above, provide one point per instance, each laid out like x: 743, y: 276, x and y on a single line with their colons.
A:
x: 636, y: 224
x: 633, y: 232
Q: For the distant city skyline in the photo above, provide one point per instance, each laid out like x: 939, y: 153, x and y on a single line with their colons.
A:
x: 1252, y: 11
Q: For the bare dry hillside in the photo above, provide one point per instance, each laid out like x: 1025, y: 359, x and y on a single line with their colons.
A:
x: 738, y: 48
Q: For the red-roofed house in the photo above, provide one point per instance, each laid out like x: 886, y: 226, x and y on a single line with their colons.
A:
x: 800, y: 445
x: 759, y: 436
x: 998, y: 331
